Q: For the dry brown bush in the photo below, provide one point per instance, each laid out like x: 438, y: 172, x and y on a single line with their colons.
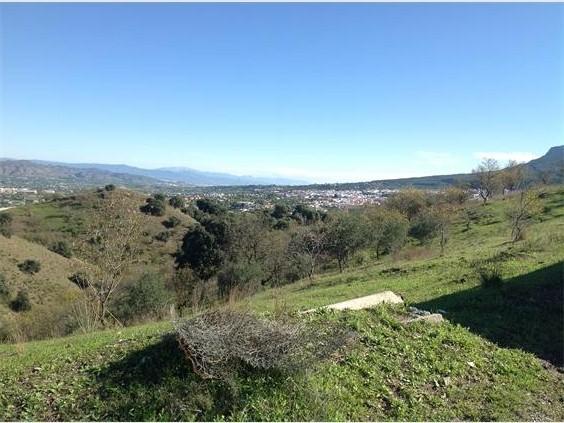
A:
x: 219, y: 343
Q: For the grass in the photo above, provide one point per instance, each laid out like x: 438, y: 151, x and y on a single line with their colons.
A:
x: 496, y: 356
x: 394, y: 371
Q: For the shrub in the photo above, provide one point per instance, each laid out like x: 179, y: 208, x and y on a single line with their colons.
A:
x: 30, y: 266
x: 145, y: 299
x: 110, y: 187
x: 177, y: 202
x: 63, y: 248
x: 490, y: 275
x: 280, y: 211
x: 219, y: 343
x: 80, y: 279
x: 172, y: 222
x: 163, y: 236
x: 209, y: 206
x: 4, y: 288
x: 425, y: 226
x: 238, y: 275
x: 6, y: 224
x: 155, y: 206
x: 21, y: 302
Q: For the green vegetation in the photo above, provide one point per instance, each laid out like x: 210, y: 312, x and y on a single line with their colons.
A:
x: 63, y: 248
x: 30, y: 266
x: 5, y: 224
x: 494, y: 358
x: 21, y: 302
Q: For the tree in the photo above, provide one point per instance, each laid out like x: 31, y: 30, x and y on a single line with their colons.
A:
x: 305, y: 215
x: 525, y: 206
x: 6, y: 224
x: 21, y: 302
x: 247, y: 234
x: 408, y: 202
x: 145, y: 298
x: 512, y: 177
x: 110, y: 246
x: 30, y: 266
x: 172, y: 222
x: 308, y: 243
x: 426, y: 226
x: 155, y: 206
x: 280, y: 211
x: 63, y: 248
x: 454, y: 195
x: 200, y: 252
x: 444, y: 214
x: 209, y: 206
x: 344, y: 235
x: 176, y: 202
x: 387, y: 229
x: 487, y: 181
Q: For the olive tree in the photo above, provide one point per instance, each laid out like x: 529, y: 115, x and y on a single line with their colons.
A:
x: 344, y: 236
x: 387, y: 229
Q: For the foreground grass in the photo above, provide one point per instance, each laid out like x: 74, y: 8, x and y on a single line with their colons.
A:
x: 393, y: 371
x: 493, y: 359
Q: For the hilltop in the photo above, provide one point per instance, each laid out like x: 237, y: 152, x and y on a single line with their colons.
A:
x: 495, y: 357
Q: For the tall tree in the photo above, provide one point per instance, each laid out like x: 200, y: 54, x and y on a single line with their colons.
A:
x: 111, y: 245
x: 344, y: 236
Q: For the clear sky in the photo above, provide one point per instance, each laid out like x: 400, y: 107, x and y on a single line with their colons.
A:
x: 323, y: 92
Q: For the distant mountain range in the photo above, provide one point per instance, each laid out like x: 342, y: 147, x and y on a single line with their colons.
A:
x: 128, y: 175
x: 93, y: 174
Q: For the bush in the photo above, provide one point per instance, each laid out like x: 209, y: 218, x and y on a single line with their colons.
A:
x: 490, y: 275
x: 163, y: 236
x: 209, y: 206
x: 155, y: 206
x: 63, y: 248
x: 177, y: 202
x: 80, y: 279
x: 110, y: 187
x: 145, y: 299
x: 4, y: 288
x: 6, y: 224
x: 21, y: 302
x: 219, y: 343
x: 425, y: 226
x: 172, y: 222
x: 30, y: 266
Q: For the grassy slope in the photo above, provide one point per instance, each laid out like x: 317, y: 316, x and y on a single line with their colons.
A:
x: 50, y: 290
x: 48, y: 222
x: 481, y: 365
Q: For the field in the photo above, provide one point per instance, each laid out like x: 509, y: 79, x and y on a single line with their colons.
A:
x: 498, y: 355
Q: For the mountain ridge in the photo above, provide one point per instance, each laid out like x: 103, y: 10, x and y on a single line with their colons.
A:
x: 551, y: 164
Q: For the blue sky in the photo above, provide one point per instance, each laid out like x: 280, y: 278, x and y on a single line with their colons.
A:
x: 323, y: 92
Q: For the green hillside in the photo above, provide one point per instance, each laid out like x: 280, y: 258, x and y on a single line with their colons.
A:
x: 65, y: 218
x: 497, y: 356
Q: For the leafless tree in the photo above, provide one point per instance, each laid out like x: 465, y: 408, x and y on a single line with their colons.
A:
x: 110, y: 247
x: 512, y: 177
x: 487, y: 178
x: 309, y: 243
x: 525, y: 207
